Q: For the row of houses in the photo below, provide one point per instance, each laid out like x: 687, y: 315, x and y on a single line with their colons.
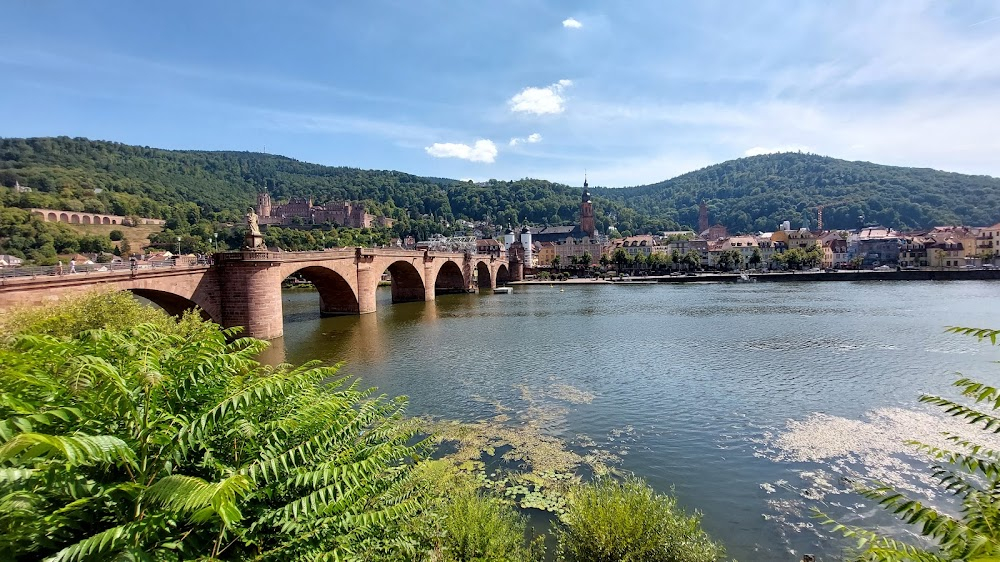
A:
x: 942, y: 247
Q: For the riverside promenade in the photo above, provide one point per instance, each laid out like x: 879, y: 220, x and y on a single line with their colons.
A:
x: 788, y: 276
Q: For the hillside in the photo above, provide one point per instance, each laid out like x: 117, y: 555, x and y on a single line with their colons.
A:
x: 757, y: 193
x: 99, y: 176
x: 748, y: 194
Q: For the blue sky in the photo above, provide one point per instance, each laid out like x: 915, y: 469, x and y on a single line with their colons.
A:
x: 633, y: 91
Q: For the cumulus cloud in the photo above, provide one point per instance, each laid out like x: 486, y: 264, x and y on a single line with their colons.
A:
x: 572, y: 23
x: 540, y: 101
x: 530, y: 139
x: 482, y: 151
x: 758, y: 150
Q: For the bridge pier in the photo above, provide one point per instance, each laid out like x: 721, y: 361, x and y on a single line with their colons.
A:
x: 366, y: 280
x: 252, y: 288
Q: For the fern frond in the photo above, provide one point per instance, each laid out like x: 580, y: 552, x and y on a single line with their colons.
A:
x: 76, y: 449
x: 972, y: 415
x: 187, y: 494
x: 981, y: 333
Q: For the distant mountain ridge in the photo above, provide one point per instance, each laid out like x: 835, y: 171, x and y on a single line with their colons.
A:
x: 758, y: 192
x: 748, y: 194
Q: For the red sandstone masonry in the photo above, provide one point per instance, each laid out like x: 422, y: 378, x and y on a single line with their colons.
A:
x: 245, y: 289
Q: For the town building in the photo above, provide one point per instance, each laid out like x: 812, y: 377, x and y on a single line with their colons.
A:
x: 877, y: 245
x: 682, y: 247
x: 642, y: 244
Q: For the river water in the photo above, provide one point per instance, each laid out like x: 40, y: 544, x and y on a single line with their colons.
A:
x: 734, y: 395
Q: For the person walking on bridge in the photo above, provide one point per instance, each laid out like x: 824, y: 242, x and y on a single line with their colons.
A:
x: 72, y: 266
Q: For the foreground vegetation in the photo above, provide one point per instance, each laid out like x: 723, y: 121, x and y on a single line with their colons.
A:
x: 129, y: 435
x: 968, y: 471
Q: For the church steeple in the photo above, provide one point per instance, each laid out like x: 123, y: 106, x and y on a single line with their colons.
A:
x: 587, y: 212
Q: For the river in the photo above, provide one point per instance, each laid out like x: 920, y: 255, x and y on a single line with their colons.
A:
x: 694, y: 387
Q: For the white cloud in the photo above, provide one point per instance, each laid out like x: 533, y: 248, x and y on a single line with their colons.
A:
x: 758, y: 150
x: 572, y: 23
x: 482, y: 151
x: 530, y: 139
x: 540, y: 101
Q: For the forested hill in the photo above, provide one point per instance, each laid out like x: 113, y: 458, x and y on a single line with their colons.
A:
x: 748, y: 194
x: 98, y: 176
x: 758, y: 192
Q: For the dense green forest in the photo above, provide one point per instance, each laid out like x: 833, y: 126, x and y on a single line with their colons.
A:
x: 187, y: 186
x: 757, y: 193
x: 748, y: 194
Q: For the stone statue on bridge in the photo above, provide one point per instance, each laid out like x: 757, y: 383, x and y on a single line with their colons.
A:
x: 254, y: 240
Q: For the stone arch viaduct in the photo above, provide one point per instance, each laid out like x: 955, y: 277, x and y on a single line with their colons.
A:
x: 244, y: 288
x: 75, y: 217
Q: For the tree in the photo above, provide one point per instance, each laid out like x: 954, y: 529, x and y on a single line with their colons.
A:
x: 813, y: 256
x: 126, y: 247
x: 620, y: 257
x: 725, y: 260
x: 150, y: 442
x: 737, y: 258
x: 639, y: 261
x: 755, y: 258
x: 586, y: 259
x: 605, y: 260
x: 555, y: 263
x: 968, y: 470
x: 692, y: 259
x: 116, y: 235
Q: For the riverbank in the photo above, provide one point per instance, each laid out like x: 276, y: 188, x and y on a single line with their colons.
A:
x: 786, y: 276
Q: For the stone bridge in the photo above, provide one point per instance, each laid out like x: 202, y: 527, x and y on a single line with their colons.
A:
x: 244, y: 288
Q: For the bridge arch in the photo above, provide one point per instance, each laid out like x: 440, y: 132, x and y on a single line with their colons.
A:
x: 407, y: 284
x: 173, y: 304
x: 74, y: 218
x: 106, y: 220
x: 449, y: 279
x: 502, y: 276
x: 484, y: 277
x: 336, y: 295
x: 63, y: 217
x: 52, y: 217
x: 85, y: 219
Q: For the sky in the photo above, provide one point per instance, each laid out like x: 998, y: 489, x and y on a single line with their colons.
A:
x: 628, y: 92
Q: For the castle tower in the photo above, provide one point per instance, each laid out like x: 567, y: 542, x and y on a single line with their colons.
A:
x: 587, y: 212
x: 702, y: 218
x: 263, y: 204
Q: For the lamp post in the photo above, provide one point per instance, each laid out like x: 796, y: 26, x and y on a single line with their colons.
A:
x: 178, y: 245
x: 216, y: 242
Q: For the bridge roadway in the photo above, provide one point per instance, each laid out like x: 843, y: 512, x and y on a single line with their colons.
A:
x: 244, y: 288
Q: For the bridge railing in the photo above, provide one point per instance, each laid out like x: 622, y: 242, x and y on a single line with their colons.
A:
x: 55, y: 271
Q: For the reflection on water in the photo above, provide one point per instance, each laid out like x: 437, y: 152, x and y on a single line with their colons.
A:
x: 700, y: 376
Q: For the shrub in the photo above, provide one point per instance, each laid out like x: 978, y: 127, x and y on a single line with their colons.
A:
x: 116, y: 235
x: 96, y: 309
x: 628, y: 521
x: 141, y: 443
x: 463, y: 524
